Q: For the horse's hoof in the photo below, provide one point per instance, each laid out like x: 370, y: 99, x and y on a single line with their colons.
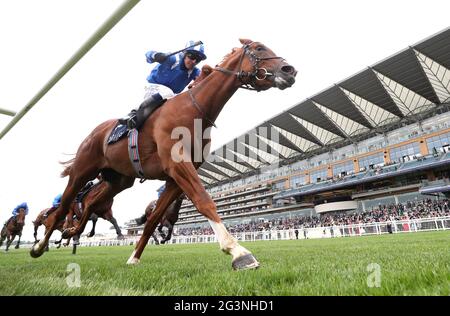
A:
x: 245, y: 262
x: 133, y: 261
x: 16, y: 247
x: 36, y: 252
x: 120, y: 237
x: 90, y: 235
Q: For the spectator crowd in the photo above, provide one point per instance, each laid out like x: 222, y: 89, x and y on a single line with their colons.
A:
x: 404, y: 211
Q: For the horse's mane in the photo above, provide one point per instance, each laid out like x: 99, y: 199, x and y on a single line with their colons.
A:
x: 233, y: 50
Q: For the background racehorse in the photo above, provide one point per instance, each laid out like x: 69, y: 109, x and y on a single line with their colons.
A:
x: 13, y: 227
x: 164, y: 157
x: 42, y: 219
x: 104, y: 211
x: 168, y: 220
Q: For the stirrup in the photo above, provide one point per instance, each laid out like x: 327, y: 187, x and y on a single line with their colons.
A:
x: 129, y: 121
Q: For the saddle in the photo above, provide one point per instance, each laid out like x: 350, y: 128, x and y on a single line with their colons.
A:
x: 142, y: 114
x: 85, y: 190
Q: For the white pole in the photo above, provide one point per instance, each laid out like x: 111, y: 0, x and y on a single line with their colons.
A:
x: 120, y: 12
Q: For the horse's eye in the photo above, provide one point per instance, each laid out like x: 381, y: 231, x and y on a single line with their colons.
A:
x: 259, y: 48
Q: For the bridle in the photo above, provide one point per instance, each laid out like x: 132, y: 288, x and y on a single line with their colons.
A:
x: 258, y: 73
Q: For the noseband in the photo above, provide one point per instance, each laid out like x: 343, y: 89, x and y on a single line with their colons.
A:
x: 258, y: 73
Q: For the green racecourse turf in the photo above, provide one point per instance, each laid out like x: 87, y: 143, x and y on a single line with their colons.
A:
x: 410, y: 264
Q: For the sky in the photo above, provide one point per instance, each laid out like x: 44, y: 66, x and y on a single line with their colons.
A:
x: 327, y: 41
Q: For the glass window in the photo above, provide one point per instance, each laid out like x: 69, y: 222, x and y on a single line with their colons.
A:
x: 438, y: 143
x: 370, y: 161
x: 278, y: 185
x: 399, y: 154
x: 298, y: 181
x: 318, y: 175
x: 343, y: 168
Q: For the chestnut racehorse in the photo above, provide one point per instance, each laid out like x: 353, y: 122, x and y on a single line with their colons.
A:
x: 103, y: 210
x: 253, y: 66
x: 13, y: 227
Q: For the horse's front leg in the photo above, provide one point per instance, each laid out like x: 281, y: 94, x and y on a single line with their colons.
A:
x: 169, y: 233
x: 73, y: 187
x: 155, y: 239
x: 36, y: 226
x: 10, y: 240
x: 187, y: 178
x: 2, y: 238
x: 18, y: 242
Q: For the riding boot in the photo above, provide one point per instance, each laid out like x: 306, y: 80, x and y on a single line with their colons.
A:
x: 147, y: 107
x: 136, y: 118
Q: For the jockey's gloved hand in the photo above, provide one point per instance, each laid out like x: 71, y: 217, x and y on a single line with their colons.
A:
x: 160, y: 57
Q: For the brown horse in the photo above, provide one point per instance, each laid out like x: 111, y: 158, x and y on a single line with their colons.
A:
x: 168, y: 220
x: 103, y: 210
x: 42, y: 219
x: 253, y: 66
x: 12, y: 228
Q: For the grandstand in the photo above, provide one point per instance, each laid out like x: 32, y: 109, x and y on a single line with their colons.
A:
x: 374, y: 143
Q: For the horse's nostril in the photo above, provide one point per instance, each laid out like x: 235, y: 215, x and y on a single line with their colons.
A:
x: 288, y: 69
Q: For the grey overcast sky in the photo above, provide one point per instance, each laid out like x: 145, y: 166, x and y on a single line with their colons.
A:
x: 325, y: 40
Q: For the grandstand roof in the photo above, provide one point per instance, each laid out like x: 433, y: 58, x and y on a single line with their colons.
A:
x: 402, y: 88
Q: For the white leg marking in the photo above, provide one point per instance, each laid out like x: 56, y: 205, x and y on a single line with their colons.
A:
x: 227, y: 242
x: 132, y: 259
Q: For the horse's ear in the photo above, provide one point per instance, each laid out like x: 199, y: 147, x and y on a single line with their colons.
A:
x: 207, y: 69
x: 245, y: 41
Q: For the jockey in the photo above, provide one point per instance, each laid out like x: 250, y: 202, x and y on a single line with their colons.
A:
x: 161, y: 190
x: 16, y: 210
x: 172, y: 74
x: 56, y: 202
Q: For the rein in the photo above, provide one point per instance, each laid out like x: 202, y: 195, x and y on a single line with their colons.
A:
x: 197, y: 106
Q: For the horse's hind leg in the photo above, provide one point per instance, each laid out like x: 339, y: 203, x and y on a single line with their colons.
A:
x: 113, y: 221
x: 171, y: 192
x: 113, y: 184
x: 94, y: 219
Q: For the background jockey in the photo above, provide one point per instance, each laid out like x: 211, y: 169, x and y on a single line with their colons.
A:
x: 168, y: 78
x: 16, y: 210
x: 56, y: 202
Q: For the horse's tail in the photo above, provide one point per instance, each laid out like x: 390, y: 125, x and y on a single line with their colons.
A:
x: 68, y: 167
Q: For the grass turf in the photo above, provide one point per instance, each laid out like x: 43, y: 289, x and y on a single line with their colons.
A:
x: 409, y: 264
